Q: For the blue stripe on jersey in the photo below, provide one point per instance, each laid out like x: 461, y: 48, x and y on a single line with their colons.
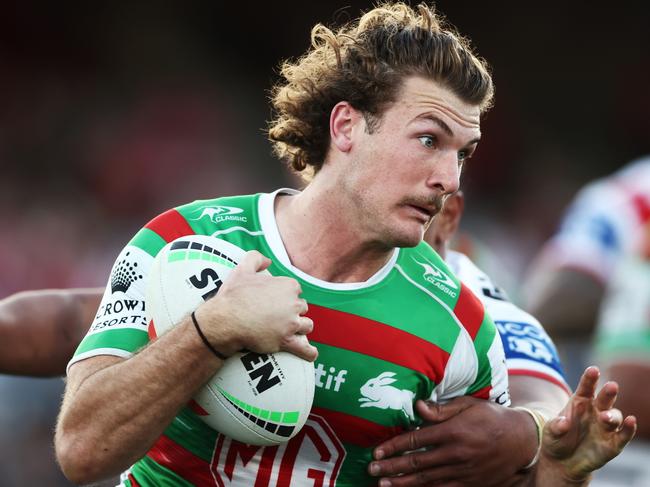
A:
x: 528, y: 342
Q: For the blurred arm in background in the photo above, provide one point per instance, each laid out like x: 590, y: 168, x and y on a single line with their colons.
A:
x: 565, y: 284
x: 40, y: 330
x: 567, y: 300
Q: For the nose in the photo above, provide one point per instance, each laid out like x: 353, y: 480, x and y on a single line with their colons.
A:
x: 445, y: 175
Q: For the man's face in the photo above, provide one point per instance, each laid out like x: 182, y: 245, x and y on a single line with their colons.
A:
x: 400, y: 174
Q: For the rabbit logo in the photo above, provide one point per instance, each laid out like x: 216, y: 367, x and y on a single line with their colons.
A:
x: 378, y: 393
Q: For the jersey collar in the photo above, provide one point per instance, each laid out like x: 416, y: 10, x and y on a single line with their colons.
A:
x: 271, y: 233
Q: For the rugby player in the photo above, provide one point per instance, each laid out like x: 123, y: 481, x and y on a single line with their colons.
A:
x: 380, y: 114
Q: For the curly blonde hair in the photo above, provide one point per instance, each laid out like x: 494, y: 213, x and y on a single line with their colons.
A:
x: 364, y: 63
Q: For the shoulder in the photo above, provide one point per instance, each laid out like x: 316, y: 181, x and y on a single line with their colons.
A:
x: 493, y: 297
x: 208, y: 216
x: 200, y: 217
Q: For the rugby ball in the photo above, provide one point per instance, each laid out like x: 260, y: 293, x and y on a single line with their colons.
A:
x: 259, y: 399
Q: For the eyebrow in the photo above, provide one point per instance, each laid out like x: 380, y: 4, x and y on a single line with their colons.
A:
x: 445, y: 128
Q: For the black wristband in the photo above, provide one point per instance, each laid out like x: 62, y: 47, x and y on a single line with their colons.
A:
x: 216, y: 352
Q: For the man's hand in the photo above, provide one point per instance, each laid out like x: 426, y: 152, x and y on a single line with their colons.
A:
x: 258, y: 312
x: 471, y: 442
x: 586, y: 434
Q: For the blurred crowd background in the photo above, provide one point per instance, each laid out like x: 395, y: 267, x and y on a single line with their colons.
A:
x: 111, y: 112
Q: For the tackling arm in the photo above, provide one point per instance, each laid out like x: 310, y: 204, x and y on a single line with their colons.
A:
x: 40, y: 330
x: 485, y: 443
x: 474, y: 440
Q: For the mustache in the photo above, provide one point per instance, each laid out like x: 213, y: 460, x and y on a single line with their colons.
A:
x: 433, y: 204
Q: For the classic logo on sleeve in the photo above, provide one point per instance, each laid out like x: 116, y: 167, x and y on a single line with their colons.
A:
x: 438, y: 278
x: 217, y: 214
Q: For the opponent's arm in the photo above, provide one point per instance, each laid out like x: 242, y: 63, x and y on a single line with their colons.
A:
x: 484, y: 442
x: 537, y: 394
x: 471, y: 440
x: 40, y: 330
x: 115, y: 409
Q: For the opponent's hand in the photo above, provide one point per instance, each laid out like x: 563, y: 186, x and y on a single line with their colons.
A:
x: 471, y: 442
x: 586, y: 434
x: 257, y: 312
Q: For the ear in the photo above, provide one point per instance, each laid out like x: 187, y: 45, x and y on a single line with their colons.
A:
x: 386, y: 381
x: 342, y: 121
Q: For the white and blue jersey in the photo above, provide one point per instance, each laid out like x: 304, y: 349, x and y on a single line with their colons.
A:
x: 528, y: 348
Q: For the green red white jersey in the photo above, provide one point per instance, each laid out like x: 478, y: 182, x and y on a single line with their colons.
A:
x: 412, y: 331
x: 528, y: 348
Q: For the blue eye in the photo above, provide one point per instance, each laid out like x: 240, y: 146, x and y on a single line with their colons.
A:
x: 427, y: 140
x: 462, y: 156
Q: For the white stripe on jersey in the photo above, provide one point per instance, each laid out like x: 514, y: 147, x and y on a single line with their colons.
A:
x: 463, y: 361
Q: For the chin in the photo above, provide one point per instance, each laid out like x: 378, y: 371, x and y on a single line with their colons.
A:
x: 409, y: 242
x: 405, y: 238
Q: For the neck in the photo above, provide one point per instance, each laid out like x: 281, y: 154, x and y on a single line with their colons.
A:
x: 317, y: 229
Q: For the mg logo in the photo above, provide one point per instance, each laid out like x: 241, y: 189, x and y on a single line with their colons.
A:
x: 313, y: 457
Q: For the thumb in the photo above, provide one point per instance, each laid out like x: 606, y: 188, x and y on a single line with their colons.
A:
x: 557, y: 427
x: 253, y: 262
x: 556, y: 440
x: 433, y: 412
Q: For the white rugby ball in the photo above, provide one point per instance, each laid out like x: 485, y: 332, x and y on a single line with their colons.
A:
x: 253, y: 398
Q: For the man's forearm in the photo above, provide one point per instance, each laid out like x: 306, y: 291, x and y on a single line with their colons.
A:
x: 114, y: 410
x: 537, y: 394
x: 546, y: 399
